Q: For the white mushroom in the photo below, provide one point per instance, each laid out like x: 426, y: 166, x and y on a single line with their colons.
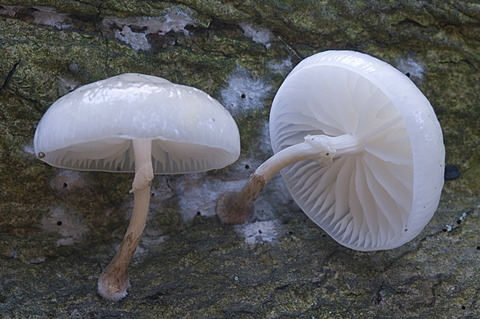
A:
x: 142, y: 124
x: 359, y: 148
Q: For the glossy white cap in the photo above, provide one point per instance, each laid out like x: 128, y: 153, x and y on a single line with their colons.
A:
x: 92, y: 127
x: 381, y: 194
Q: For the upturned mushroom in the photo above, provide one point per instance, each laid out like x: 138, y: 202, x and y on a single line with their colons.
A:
x: 142, y: 124
x: 359, y: 148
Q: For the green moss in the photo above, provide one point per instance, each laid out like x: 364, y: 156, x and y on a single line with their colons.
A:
x: 206, y: 265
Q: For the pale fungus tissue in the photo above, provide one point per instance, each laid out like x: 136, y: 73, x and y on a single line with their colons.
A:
x: 142, y: 124
x: 359, y: 148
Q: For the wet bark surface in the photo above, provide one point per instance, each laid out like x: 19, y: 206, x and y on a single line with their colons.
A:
x: 59, y: 229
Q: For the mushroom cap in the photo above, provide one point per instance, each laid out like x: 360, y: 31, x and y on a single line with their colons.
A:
x: 92, y: 128
x: 383, y: 195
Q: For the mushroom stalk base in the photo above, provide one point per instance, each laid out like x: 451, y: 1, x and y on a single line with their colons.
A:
x: 114, y: 281
x: 237, y: 208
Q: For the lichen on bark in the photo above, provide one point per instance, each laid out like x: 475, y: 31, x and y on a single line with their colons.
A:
x: 49, y: 47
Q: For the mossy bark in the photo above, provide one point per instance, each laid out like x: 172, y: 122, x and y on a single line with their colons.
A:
x: 199, y: 268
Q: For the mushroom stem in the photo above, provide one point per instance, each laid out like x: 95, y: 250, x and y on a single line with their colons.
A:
x: 114, y: 281
x: 237, y: 208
